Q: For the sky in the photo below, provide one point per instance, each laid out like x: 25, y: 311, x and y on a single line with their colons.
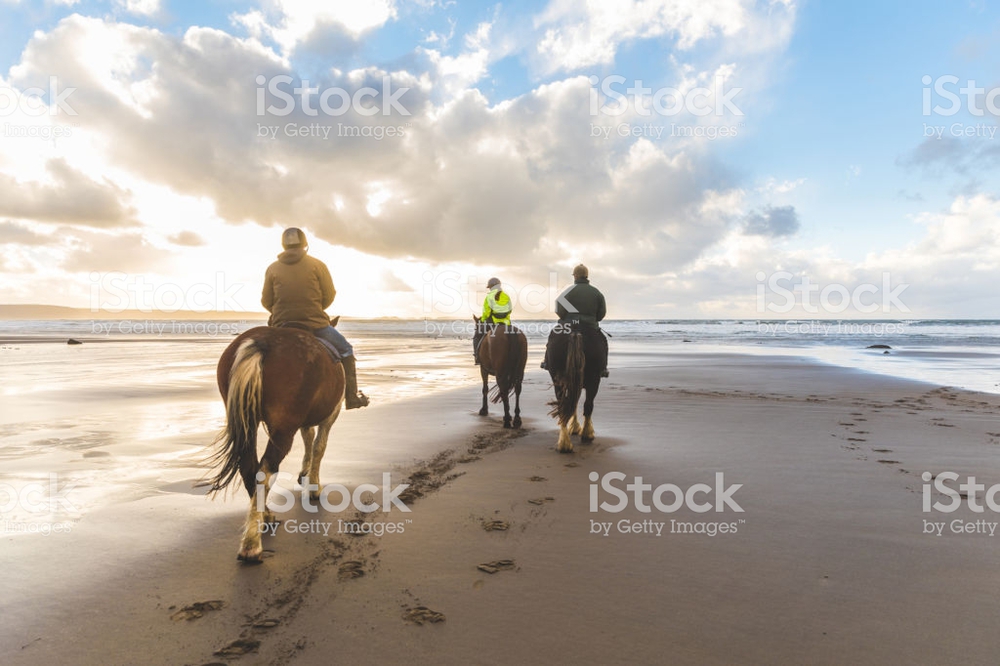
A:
x: 704, y: 158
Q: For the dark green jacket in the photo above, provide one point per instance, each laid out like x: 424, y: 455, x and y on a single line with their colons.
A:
x: 588, y: 302
x: 298, y: 288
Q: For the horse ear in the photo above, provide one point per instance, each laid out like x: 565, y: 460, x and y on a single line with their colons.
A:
x: 475, y: 318
x: 334, y: 321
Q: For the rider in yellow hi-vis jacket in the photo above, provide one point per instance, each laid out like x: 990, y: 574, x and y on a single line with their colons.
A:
x: 496, y: 308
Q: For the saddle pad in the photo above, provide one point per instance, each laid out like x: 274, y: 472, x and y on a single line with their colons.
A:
x: 330, y: 348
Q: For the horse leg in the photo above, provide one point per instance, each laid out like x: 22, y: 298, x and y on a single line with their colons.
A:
x: 486, y: 389
x: 250, y: 545
x: 588, y: 409
x: 517, y: 405
x: 565, y: 444
x: 504, y: 394
x: 308, y: 437
x: 278, y: 446
x: 319, y: 448
x: 573, y: 425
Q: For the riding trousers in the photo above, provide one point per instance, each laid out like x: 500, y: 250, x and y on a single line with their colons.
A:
x: 335, y: 338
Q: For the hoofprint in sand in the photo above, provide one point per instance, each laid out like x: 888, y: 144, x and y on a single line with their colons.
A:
x: 502, y: 561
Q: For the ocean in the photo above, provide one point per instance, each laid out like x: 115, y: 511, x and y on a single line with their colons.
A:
x: 960, y: 353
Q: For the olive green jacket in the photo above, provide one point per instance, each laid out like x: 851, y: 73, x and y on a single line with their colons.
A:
x: 298, y: 288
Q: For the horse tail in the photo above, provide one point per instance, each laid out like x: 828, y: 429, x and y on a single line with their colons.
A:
x: 236, y: 446
x: 508, y: 375
x: 571, y: 382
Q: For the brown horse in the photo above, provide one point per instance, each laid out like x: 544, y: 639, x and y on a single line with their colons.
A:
x: 285, y: 379
x: 503, y: 353
x: 575, y: 361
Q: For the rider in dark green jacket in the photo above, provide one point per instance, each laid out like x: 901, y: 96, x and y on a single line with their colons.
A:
x: 582, y: 306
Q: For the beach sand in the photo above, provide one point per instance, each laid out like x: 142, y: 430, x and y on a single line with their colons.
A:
x: 828, y: 562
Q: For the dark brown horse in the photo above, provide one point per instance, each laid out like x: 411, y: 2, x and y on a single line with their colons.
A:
x: 575, y: 359
x: 285, y: 379
x: 503, y: 353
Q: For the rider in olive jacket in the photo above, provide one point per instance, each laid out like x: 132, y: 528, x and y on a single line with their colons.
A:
x: 297, y: 290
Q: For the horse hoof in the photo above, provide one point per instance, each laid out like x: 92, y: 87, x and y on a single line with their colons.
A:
x: 250, y: 555
x: 564, y: 449
x: 517, y: 423
x: 586, y: 440
x: 506, y: 424
x: 314, y: 496
x: 484, y: 412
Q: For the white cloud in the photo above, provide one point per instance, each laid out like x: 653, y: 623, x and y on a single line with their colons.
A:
x: 584, y: 34
x: 459, y: 72
x: 140, y: 7
x: 291, y: 22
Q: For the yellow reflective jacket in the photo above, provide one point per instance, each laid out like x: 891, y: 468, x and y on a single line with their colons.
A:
x: 497, y: 307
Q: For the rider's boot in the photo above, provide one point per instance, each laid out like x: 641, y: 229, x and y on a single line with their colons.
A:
x: 353, y: 398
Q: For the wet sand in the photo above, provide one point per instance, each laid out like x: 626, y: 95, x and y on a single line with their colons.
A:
x: 827, y: 563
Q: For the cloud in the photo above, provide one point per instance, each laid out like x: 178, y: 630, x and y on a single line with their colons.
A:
x: 389, y: 281
x: 11, y: 232
x: 117, y: 252
x: 68, y: 197
x: 578, y: 35
x: 464, y: 169
x: 140, y: 7
x: 963, y: 156
x: 291, y: 23
x: 772, y: 221
x: 772, y: 186
x: 187, y: 239
x: 520, y: 183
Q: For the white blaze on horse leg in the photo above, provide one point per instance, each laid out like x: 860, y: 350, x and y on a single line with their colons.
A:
x: 588, y: 429
x: 565, y: 444
x: 574, y: 426
x: 308, y: 437
x: 319, y: 448
x: 250, y: 546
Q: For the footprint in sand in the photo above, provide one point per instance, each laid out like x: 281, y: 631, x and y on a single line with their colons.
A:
x: 238, y: 648
x: 537, y: 479
x: 497, y: 565
x: 196, y: 610
x: 889, y: 462
x: 856, y: 439
x: 882, y: 450
x: 538, y: 501
x: 422, y: 615
x: 572, y: 464
x: 495, y: 525
x: 351, y: 569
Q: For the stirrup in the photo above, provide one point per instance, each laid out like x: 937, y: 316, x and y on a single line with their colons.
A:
x: 605, y: 373
x: 544, y: 366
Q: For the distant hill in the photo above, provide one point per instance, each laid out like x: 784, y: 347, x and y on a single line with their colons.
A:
x: 30, y: 311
